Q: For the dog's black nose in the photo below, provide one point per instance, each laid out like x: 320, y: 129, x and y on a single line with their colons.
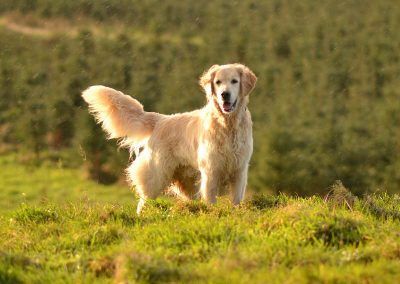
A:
x: 226, y: 96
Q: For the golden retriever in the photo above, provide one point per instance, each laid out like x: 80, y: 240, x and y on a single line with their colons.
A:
x: 189, y: 153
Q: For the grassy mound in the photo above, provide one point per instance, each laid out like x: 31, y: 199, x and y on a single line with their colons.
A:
x: 278, y: 239
x: 55, y: 226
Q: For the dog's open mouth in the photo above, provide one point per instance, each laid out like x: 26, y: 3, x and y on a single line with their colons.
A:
x: 228, y: 107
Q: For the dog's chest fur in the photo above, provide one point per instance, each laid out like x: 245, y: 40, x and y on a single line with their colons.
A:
x: 226, y: 145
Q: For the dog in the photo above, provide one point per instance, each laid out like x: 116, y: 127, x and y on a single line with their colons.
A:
x: 190, y: 154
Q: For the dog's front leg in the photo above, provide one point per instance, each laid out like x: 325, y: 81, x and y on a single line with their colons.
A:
x: 208, y: 186
x: 238, y: 185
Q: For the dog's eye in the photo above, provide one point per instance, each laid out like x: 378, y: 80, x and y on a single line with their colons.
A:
x: 234, y: 81
x: 218, y: 82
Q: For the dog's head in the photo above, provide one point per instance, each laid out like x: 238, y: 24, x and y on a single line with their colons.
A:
x: 228, y: 85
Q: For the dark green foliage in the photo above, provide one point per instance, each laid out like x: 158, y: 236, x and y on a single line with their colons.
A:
x: 262, y: 201
x: 338, y: 232
x: 325, y: 107
x: 8, y: 277
x: 154, y: 271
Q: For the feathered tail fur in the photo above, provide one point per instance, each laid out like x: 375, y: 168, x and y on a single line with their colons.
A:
x: 121, y: 116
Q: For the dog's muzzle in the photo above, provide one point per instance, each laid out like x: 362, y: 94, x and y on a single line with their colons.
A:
x: 228, y: 107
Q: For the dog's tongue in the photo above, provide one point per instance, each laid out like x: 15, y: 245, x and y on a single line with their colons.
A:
x: 226, y: 106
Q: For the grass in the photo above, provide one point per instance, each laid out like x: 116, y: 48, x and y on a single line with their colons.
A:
x: 269, y: 239
x: 52, y: 181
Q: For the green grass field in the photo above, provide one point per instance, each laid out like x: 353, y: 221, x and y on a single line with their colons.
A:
x: 56, y: 227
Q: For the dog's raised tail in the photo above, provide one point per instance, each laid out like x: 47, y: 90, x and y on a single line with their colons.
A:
x: 121, y: 116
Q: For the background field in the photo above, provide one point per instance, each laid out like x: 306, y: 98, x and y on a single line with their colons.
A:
x: 326, y: 108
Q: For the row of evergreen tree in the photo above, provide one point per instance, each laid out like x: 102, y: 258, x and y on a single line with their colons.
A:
x: 326, y: 106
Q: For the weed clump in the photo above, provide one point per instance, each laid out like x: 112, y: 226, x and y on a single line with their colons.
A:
x: 19, y: 261
x: 127, y: 219
x: 104, y: 266
x: 102, y: 237
x: 163, y: 205
x: 36, y: 215
x: 145, y: 269
x: 10, y: 263
x: 262, y: 201
x: 337, y: 232
x: 157, y: 272
x: 192, y: 207
x: 340, y: 196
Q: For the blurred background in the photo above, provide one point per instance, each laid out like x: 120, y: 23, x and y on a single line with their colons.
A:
x: 326, y: 106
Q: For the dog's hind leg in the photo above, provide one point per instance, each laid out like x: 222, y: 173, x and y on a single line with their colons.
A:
x: 140, y: 205
x: 150, y: 176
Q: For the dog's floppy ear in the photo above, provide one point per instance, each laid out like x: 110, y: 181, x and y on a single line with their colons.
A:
x: 248, y: 79
x: 207, y: 78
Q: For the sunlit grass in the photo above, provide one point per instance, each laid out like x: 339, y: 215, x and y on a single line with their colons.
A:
x: 23, y: 183
x: 67, y: 238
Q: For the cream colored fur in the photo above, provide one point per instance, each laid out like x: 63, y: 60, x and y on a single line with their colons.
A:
x: 190, y: 153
